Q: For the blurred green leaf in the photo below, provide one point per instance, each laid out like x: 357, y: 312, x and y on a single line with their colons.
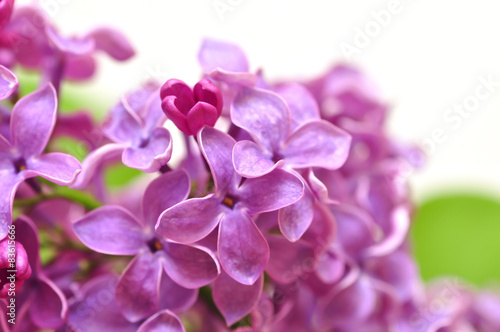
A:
x: 459, y: 234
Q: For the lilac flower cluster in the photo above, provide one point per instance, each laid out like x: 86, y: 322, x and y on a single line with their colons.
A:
x: 289, y: 210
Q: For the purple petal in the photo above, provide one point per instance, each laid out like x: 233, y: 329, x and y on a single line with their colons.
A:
x: 73, y: 46
x: 217, y: 54
x: 173, y: 296
x: 153, y: 115
x: 243, y: 251
x: 59, y: 168
x: 271, y: 191
x: 289, y: 261
x: 152, y: 156
x: 234, y: 78
x: 294, y: 220
x: 356, y: 229
x: 303, y: 107
x: 400, y: 222
x: 163, y: 321
x: 32, y: 121
x: 110, y: 230
x: 8, y: 83
x: 235, y: 300
x: 265, y: 116
x: 123, y: 124
x: 351, y: 305
x: 190, y: 266
x: 80, y: 68
x: 251, y: 160
x: 93, y: 161
x: 191, y: 220
x: 164, y: 192
x: 331, y: 266
x: 217, y: 148
x: 138, y: 288
x: 398, y: 270
x: 317, y: 143
x: 8, y: 186
x: 49, y: 307
x: 113, y: 42
x: 96, y: 309
x: 27, y: 235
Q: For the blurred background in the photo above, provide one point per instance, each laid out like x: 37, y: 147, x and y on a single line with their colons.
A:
x: 437, y: 63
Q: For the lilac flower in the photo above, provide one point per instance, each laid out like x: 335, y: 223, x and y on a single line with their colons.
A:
x: 266, y: 117
x: 34, y: 43
x: 95, y: 309
x: 243, y: 251
x: 39, y: 303
x: 191, y: 110
x: 346, y: 93
x: 134, y: 125
x: 21, y: 157
x: 113, y: 230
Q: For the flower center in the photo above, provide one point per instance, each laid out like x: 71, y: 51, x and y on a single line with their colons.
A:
x: 277, y: 157
x: 154, y: 245
x: 229, y: 201
x: 20, y: 164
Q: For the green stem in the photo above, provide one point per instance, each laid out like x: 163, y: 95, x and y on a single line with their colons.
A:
x: 84, y: 199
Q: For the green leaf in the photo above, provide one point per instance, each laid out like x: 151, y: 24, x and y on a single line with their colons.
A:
x: 458, y: 234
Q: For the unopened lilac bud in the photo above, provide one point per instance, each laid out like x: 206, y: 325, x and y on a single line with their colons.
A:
x: 191, y: 110
x: 14, y: 267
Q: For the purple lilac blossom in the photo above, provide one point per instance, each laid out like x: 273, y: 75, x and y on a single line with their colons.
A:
x: 31, y: 125
x: 243, y: 250
x: 302, y: 201
x: 113, y: 230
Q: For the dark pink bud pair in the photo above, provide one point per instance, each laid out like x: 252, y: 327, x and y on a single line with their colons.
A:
x: 191, y: 110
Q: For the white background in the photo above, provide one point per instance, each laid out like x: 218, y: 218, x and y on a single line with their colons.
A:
x: 428, y: 58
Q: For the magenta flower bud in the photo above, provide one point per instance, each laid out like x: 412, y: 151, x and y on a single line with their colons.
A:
x: 191, y: 110
x: 14, y: 267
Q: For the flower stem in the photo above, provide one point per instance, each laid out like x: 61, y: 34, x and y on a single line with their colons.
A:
x: 84, y: 199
